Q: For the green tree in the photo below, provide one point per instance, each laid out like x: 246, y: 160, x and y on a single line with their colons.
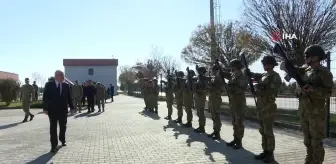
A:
x: 9, y: 90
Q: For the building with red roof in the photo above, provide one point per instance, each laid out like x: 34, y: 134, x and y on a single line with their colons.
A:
x: 99, y: 70
x: 8, y: 75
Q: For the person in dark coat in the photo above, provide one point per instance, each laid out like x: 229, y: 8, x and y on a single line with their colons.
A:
x: 56, y: 100
x: 90, y: 94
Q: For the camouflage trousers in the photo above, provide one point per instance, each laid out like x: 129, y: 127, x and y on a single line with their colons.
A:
x: 237, y: 113
x: 188, y: 106
x: 77, y: 103
x: 313, y: 134
x: 169, y: 101
x: 179, y: 106
x: 215, y: 103
x: 266, y: 120
x: 101, y: 103
x: 200, y: 106
x: 26, y: 107
x: 145, y: 96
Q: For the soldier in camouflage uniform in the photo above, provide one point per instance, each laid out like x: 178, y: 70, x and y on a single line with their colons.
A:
x: 215, y: 101
x: 144, y: 90
x: 35, y: 91
x: 266, y: 91
x: 200, y: 98
x: 27, y: 95
x: 312, y: 98
x: 100, y: 96
x: 188, y: 98
x: 178, y: 91
x: 169, y: 96
x: 237, y: 87
x: 77, y: 93
x: 156, y: 95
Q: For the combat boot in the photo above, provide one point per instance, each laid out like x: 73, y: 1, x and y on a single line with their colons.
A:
x: 260, y: 156
x: 238, y: 144
x: 31, y: 117
x: 232, y: 143
x: 99, y: 110
x: 103, y: 109
x: 188, y: 124
x: 168, y: 118
x: 25, y: 119
x: 216, y: 136
x: 200, y: 130
x: 178, y: 120
x: 156, y: 111
x: 269, y: 157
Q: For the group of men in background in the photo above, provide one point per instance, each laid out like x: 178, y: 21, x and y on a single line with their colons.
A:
x: 150, y: 92
x: 92, y: 93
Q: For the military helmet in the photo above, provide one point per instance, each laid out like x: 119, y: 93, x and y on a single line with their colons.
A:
x: 315, y: 50
x: 269, y: 60
x: 236, y: 63
x: 192, y: 73
x: 201, y: 70
x: 180, y: 74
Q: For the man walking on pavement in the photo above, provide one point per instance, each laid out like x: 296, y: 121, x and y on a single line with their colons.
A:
x: 35, y: 91
x: 100, y: 96
x: 111, y: 92
x: 27, y: 95
x: 56, y: 99
x: 77, y: 94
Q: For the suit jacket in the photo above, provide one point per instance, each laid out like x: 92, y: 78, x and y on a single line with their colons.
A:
x: 54, y: 102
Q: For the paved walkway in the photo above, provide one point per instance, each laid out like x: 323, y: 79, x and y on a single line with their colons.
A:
x: 123, y: 135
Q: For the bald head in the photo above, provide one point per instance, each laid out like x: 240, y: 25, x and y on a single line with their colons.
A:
x: 59, y: 76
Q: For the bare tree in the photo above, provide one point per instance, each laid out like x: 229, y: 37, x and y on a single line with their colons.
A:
x: 127, y: 75
x: 232, y: 39
x: 169, y: 63
x: 312, y: 22
x: 40, y: 80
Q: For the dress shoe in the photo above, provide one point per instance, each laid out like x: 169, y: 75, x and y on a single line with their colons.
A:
x: 31, y: 117
x: 53, y: 150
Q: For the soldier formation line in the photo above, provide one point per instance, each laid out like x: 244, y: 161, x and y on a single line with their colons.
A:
x: 315, y: 87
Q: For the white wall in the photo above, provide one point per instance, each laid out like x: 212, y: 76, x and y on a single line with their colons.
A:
x: 104, y: 74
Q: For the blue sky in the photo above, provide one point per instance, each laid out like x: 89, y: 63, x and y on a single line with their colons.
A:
x: 45, y: 32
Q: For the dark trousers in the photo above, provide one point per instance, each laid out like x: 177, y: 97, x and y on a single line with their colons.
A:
x: 91, y: 103
x: 112, y: 98
x: 83, y: 101
x: 62, y: 121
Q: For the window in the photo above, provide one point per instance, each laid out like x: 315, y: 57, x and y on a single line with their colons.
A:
x: 90, y: 71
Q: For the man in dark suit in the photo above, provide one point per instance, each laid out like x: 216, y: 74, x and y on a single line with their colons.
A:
x: 90, y: 95
x: 56, y: 99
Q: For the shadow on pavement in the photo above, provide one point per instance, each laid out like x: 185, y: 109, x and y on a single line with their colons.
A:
x: 94, y: 114
x: 212, y: 146
x: 150, y: 114
x: 9, y: 125
x: 44, y: 158
x: 83, y: 114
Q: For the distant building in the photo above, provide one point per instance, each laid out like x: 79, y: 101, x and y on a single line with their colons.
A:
x: 99, y: 70
x: 8, y: 75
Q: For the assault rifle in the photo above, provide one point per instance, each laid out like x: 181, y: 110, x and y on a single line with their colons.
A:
x: 191, y: 86
x: 248, y: 74
x: 292, y: 72
x: 223, y: 79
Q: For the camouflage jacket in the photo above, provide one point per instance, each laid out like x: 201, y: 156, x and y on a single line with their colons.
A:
x: 77, y: 91
x: 237, y: 84
x: 267, y: 87
x: 321, y: 80
x: 216, y: 86
x: 27, y: 91
x: 100, y: 91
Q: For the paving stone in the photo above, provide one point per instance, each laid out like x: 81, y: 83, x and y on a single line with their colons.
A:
x: 123, y: 134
